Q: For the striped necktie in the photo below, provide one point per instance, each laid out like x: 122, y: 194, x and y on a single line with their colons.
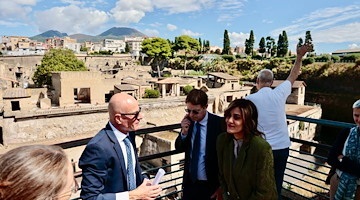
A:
x: 130, y: 165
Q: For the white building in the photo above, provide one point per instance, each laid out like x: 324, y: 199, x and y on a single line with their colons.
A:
x: 114, y: 45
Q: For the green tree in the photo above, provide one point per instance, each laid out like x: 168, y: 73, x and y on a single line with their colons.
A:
x: 56, y: 60
x: 127, y: 48
x: 262, y: 48
x: 157, y: 48
x: 226, y: 45
x: 283, y: 45
x: 308, y: 39
x: 186, y: 43
x: 270, y: 43
x: 200, y: 46
x: 249, y: 44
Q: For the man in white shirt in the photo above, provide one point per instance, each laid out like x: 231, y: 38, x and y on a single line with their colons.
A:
x: 109, y: 163
x: 270, y: 104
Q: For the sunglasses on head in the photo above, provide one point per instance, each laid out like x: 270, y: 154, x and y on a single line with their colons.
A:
x: 193, y: 111
x: 136, y: 114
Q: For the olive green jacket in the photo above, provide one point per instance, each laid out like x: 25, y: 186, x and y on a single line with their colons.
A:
x: 251, y: 175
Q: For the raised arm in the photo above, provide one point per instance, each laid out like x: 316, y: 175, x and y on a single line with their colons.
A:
x: 300, y: 52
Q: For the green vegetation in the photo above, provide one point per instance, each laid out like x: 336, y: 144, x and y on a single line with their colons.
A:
x: 226, y: 45
x: 150, y: 93
x: 83, y: 48
x: 249, y: 44
x: 56, y: 60
x: 102, y: 53
x: 157, y: 48
x: 187, y: 89
x: 283, y: 44
x: 187, y: 44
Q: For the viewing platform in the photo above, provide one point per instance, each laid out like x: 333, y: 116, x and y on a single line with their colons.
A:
x: 304, y: 176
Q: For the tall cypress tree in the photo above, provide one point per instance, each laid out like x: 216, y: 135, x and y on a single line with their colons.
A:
x: 285, y: 45
x: 262, y: 48
x: 308, y: 39
x: 226, y: 47
x: 201, y: 46
x: 249, y: 44
x: 279, y: 45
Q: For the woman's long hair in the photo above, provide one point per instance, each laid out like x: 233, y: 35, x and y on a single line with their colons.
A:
x: 249, y: 115
x: 34, y: 172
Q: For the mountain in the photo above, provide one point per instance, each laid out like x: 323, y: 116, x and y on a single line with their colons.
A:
x: 48, y: 34
x: 117, y: 33
x: 122, y: 31
x: 82, y: 37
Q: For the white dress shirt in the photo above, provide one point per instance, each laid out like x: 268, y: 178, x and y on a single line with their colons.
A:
x: 201, y: 164
x: 120, y: 137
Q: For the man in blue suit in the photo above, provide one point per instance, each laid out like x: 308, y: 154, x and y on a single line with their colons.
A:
x: 109, y: 163
x: 199, y: 131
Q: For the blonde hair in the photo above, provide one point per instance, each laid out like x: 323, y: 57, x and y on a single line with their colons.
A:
x: 34, y: 172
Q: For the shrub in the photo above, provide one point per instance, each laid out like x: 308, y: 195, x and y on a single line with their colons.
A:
x: 323, y: 58
x: 187, y: 89
x: 335, y: 58
x: 307, y: 61
x: 229, y: 58
x: 150, y: 93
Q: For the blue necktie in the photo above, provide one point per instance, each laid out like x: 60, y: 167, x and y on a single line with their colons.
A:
x: 195, y: 153
x: 130, y: 165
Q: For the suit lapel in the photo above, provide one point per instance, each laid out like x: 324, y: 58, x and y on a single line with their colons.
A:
x: 117, y: 149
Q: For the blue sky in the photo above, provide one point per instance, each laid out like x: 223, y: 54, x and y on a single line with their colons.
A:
x: 334, y: 24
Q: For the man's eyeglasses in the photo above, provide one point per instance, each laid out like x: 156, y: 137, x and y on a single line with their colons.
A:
x: 193, y: 111
x: 136, y: 114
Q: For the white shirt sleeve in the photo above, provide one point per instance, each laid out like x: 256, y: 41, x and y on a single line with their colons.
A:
x: 122, y: 196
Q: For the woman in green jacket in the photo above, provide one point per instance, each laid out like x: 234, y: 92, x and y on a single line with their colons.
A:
x: 245, y: 158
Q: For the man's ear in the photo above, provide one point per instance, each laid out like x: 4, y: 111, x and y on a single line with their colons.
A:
x: 271, y: 83
x: 117, y: 119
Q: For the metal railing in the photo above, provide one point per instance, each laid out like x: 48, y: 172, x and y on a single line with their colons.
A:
x: 305, y: 179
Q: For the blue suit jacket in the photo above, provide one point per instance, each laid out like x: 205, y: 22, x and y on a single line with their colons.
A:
x: 103, y: 167
x: 215, y: 126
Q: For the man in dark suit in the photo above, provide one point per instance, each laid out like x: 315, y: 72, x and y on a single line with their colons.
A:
x: 199, y: 131
x: 109, y: 163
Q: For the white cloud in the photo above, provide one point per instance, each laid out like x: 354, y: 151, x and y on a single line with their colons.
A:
x: 156, y: 24
x: 238, y: 39
x: 133, y: 11
x: 16, y: 9
x: 344, y: 33
x: 321, y: 20
x: 11, y: 24
x: 230, y: 5
x: 182, y: 6
x: 151, y: 32
x: 73, y: 2
x: 190, y: 33
x: 229, y: 9
x: 71, y: 19
x: 171, y: 27
x: 266, y: 21
x: 354, y: 46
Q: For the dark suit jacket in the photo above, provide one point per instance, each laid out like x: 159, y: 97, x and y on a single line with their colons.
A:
x: 103, y: 167
x: 347, y: 165
x: 251, y: 175
x: 215, y: 126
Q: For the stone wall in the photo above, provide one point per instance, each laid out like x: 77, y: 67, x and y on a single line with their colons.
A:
x: 57, y: 126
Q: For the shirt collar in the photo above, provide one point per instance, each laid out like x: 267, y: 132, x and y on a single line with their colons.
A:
x: 119, y: 135
x: 203, y: 122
